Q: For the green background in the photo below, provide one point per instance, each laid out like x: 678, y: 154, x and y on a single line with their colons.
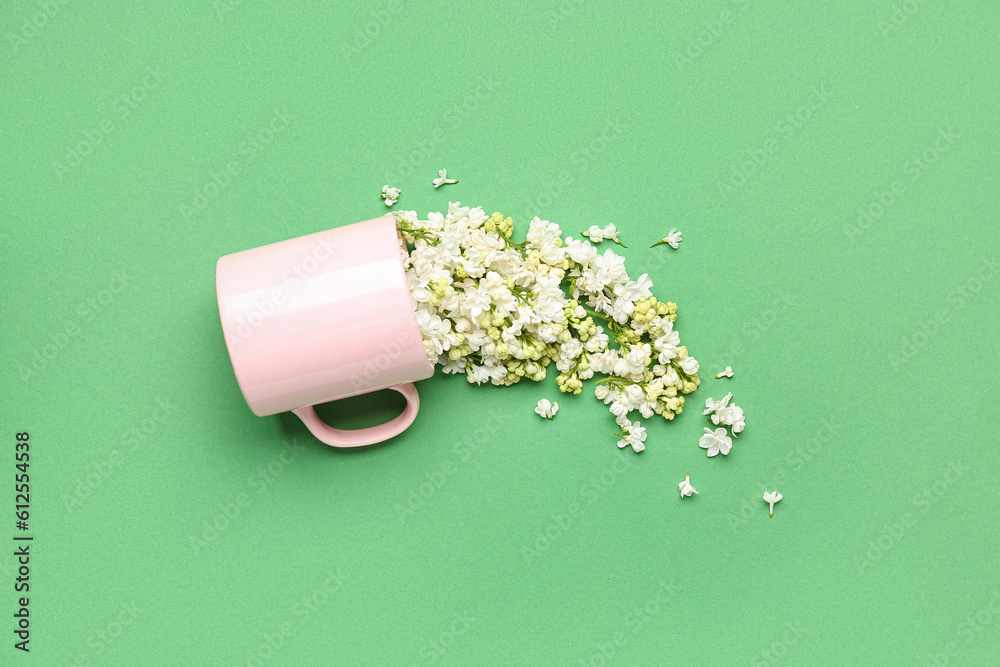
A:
x: 866, y: 352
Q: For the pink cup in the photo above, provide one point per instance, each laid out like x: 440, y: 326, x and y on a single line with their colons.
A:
x: 322, y: 317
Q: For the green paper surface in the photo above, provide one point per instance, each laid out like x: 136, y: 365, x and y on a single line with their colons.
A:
x: 833, y: 170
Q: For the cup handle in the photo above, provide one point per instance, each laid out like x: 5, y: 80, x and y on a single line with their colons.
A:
x: 359, y: 437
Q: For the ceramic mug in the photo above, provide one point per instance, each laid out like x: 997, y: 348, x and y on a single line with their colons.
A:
x: 322, y: 317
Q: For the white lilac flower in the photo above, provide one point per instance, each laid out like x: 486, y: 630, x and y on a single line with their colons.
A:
x: 716, y: 442
x: 594, y: 233
x: 581, y: 252
x: 443, y: 179
x: 714, y: 406
x: 732, y: 416
x: 477, y: 302
x: 546, y: 409
x: 478, y: 374
x: 390, y: 195
x: 686, y: 488
x: 611, y: 234
x: 501, y: 312
x: 726, y: 373
x: 771, y: 497
x: 626, y: 294
x: 546, y: 238
x: 667, y: 343
x: 608, y: 233
x: 608, y: 270
x: 723, y: 413
x: 598, y: 342
x: 673, y: 239
x: 634, y: 435
x: 689, y: 365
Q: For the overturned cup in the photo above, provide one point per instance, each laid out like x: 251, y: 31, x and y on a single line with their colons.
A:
x: 323, y: 317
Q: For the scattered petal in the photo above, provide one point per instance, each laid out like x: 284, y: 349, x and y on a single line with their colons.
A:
x: 714, y: 406
x: 443, y: 179
x: 546, y: 409
x: 634, y: 434
x: 673, y: 239
x: 608, y: 233
x: 771, y: 497
x: 728, y: 373
x: 723, y: 413
x: 594, y: 233
x: 686, y: 488
x: 731, y: 416
x: 390, y: 195
x: 716, y: 442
